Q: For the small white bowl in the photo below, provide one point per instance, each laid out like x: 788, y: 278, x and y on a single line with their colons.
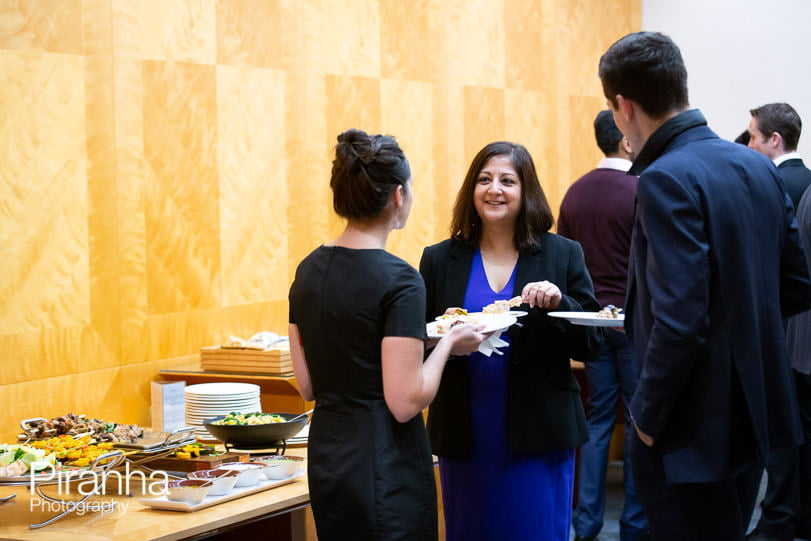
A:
x: 188, y: 490
x: 223, y: 481
x: 248, y: 473
x: 280, y: 466
x: 270, y: 469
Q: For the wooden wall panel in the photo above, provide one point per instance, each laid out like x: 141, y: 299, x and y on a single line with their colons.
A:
x: 167, y: 162
x: 249, y: 33
x: 407, y: 114
x: 253, y: 185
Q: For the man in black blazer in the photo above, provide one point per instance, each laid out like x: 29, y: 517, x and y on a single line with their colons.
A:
x: 799, y: 349
x: 774, y: 131
x: 715, y: 265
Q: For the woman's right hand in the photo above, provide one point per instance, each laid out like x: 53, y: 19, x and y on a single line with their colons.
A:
x: 466, y: 338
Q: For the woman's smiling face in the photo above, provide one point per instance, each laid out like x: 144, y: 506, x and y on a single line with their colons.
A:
x: 497, y: 195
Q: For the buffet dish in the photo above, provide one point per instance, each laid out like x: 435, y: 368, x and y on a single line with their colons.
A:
x: 257, y: 436
x: 279, y: 466
x: 78, y: 454
x: 222, y: 480
x: 94, y: 476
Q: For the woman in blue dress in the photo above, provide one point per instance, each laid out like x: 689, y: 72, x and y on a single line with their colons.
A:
x: 357, y: 333
x: 506, y: 426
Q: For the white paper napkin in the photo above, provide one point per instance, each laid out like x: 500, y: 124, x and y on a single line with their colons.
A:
x: 489, y: 346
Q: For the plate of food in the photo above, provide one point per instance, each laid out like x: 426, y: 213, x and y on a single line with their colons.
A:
x: 255, y: 429
x: 610, y: 316
x: 492, y: 323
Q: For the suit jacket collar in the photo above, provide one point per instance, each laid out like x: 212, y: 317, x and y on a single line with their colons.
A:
x: 791, y: 162
x: 658, y: 141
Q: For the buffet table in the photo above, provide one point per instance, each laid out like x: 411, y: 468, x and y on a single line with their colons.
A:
x: 279, y: 513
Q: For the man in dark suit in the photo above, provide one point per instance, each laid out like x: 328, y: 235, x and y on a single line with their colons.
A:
x: 774, y: 131
x: 598, y: 212
x: 715, y: 265
x: 799, y: 349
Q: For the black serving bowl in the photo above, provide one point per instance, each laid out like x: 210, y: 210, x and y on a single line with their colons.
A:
x: 256, y: 436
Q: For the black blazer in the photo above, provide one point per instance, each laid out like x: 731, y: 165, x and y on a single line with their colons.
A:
x: 544, y: 411
x: 796, y: 178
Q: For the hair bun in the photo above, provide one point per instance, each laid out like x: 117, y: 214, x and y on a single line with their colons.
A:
x: 360, y: 144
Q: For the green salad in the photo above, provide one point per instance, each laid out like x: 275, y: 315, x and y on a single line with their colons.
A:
x: 250, y: 419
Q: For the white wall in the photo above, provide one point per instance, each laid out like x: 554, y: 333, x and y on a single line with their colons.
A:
x: 741, y: 54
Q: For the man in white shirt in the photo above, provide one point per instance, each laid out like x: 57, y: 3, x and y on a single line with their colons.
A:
x: 774, y: 131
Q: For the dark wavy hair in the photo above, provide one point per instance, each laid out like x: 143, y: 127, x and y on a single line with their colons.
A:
x: 646, y: 67
x: 779, y: 118
x: 535, y: 217
x: 365, y: 171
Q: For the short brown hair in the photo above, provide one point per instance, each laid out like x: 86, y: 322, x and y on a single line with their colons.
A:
x: 779, y: 118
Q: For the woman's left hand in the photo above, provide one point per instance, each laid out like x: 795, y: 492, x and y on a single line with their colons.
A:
x: 542, y: 294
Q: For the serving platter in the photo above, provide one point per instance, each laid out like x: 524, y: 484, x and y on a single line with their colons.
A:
x: 162, y: 502
x: 590, y: 319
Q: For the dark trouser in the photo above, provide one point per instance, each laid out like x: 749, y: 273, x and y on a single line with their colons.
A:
x: 787, y: 503
x: 611, y: 377
x: 687, y: 511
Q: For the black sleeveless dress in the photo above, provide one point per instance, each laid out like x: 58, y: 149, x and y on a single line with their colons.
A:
x: 370, y: 477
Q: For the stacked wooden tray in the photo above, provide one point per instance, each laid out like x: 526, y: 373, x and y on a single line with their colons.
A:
x: 274, y: 361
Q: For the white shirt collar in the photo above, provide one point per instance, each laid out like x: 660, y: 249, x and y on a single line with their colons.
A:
x: 787, y: 156
x: 620, y: 164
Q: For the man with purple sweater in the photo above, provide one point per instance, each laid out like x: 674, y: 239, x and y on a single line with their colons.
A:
x: 598, y: 212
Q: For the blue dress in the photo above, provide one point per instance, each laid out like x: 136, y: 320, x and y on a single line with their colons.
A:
x: 494, y: 495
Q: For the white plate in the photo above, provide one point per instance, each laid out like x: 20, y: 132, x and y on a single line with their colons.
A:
x: 492, y: 322
x: 241, y: 408
x: 590, y: 319
x: 163, y: 502
x: 233, y: 390
x: 514, y: 313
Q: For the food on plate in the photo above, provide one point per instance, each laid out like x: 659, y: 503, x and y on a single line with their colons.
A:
x: 15, y: 469
x: 500, y: 307
x: 17, y: 460
x: 445, y: 325
x: 70, y: 451
x: 609, y: 312
x: 193, y: 450
x: 257, y: 418
x: 73, y: 424
x: 454, y: 311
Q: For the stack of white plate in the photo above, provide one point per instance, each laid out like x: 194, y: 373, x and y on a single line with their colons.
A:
x: 208, y: 400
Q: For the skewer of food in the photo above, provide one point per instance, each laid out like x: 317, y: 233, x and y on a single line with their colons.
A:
x: 75, y: 425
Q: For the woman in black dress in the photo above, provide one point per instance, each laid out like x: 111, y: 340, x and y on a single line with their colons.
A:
x: 357, y: 336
